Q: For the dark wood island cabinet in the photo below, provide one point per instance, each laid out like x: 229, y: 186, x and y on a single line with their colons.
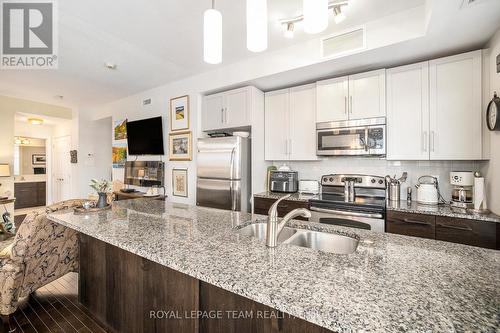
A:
x: 128, y: 293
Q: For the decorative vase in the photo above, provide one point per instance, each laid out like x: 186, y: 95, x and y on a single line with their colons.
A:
x: 103, y: 200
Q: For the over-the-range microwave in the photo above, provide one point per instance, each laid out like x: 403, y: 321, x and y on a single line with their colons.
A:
x: 364, y: 137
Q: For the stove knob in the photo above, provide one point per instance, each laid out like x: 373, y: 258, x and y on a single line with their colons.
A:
x: 331, y: 179
x: 381, y: 182
x: 373, y: 180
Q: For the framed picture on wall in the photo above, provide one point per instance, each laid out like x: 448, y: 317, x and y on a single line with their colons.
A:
x: 38, y: 159
x: 180, y: 182
x: 179, y: 113
x: 180, y: 146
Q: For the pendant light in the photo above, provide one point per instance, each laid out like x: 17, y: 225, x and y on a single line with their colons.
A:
x: 315, y: 16
x: 212, y: 35
x: 257, y: 25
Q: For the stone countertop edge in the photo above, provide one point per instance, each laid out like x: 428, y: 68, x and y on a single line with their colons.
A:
x: 446, y: 286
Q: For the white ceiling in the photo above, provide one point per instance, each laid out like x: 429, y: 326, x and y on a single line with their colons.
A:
x: 23, y: 117
x: 159, y: 41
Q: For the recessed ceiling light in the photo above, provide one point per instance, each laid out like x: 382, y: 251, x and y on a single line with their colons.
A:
x: 35, y: 121
x: 110, y: 65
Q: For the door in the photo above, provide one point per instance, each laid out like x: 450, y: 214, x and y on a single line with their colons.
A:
x: 61, y: 173
x: 236, y: 108
x: 455, y: 107
x: 213, y: 115
x: 276, y: 125
x: 219, y: 193
x: 219, y: 158
x: 302, y: 115
x: 367, y: 95
x: 408, y: 112
x: 332, y: 99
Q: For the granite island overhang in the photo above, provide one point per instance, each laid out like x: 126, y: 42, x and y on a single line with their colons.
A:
x: 391, y: 283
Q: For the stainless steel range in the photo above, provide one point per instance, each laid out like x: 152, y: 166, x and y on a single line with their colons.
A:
x: 356, y: 201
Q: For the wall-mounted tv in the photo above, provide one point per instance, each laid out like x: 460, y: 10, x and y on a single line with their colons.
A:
x: 145, y: 137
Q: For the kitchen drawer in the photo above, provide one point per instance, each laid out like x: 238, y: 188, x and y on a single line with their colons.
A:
x: 463, y: 231
x: 262, y: 205
x: 416, y: 225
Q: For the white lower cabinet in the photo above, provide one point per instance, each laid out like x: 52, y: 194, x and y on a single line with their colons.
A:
x: 434, y: 109
x: 290, y: 124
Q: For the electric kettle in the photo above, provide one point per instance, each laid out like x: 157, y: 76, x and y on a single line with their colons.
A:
x: 427, y: 190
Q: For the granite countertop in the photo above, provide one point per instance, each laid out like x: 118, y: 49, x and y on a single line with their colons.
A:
x: 293, y: 196
x: 440, y: 210
x: 392, y: 283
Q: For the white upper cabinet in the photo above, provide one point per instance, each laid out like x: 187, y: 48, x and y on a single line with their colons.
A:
x: 332, y: 99
x: 276, y: 125
x: 237, y: 106
x: 367, y: 95
x: 213, y: 113
x: 408, y: 112
x: 229, y: 109
x: 455, y: 107
x: 302, y: 142
x: 290, y: 124
x: 358, y: 96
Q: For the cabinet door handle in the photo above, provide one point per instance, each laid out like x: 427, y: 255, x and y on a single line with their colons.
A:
x: 415, y: 222
x: 350, y: 100
x: 286, y: 147
x: 222, y: 115
x: 345, y: 105
x: 433, y: 141
x: 424, y: 141
x: 467, y: 228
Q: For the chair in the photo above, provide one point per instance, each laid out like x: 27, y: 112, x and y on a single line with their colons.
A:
x: 41, y: 252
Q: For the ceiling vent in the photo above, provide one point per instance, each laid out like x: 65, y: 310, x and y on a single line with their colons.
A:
x: 343, y: 44
x: 146, y: 101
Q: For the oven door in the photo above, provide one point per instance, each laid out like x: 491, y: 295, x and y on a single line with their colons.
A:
x: 367, y: 221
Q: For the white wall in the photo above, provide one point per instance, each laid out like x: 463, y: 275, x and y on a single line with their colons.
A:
x: 492, y: 171
x: 94, y: 152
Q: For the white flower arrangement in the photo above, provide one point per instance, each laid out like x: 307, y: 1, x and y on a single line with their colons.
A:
x: 100, y: 186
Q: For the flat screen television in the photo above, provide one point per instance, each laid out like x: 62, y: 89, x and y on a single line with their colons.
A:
x: 145, y: 137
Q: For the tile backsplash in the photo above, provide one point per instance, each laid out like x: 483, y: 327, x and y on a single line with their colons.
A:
x: 381, y: 167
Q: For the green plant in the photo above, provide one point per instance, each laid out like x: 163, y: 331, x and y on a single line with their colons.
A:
x: 100, y: 186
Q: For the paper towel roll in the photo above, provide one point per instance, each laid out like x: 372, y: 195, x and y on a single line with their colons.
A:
x: 479, y: 194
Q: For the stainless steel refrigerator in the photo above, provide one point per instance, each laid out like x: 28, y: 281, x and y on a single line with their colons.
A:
x: 223, y: 175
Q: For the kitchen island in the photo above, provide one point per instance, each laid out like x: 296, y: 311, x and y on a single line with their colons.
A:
x: 391, y: 283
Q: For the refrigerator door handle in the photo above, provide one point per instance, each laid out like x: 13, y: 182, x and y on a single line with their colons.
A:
x: 232, y: 163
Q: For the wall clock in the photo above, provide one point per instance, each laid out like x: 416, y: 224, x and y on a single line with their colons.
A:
x: 493, y: 113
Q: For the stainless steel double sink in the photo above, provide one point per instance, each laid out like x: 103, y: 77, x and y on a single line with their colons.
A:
x: 332, y: 243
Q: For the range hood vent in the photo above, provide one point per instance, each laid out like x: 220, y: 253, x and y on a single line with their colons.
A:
x: 343, y: 44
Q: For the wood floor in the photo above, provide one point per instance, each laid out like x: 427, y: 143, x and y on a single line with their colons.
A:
x: 55, y: 308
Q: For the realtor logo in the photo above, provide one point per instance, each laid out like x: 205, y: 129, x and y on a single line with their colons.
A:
x: 29, y: 39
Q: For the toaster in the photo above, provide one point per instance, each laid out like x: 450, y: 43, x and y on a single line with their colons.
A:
x: 284, y: 181
x: 308, y: 186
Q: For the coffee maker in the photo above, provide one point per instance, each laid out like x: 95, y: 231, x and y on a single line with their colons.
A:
x: 462, y: 193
